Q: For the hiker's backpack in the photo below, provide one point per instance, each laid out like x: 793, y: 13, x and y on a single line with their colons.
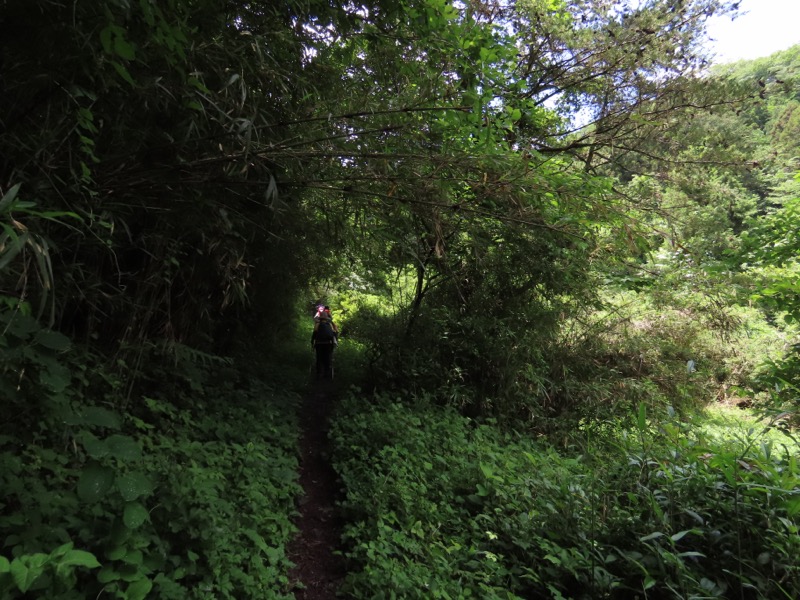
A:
x: 324, y: 332
x: 322, y: 313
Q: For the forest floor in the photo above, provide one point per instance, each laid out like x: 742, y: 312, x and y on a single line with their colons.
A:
x: 318, y: 570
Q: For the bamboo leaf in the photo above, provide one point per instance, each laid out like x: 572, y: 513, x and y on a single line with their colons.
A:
x: 123, y: 72
x: 642, y: 421
x: 651, y: 536
x: 8, y: 197
x: 681, y: 534
x: 123, y: 48
x: 14, y: 248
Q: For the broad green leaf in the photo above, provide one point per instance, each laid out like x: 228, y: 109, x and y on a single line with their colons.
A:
x: 124, y: 447
x: 80, y: 558
x: 133, y: 557
x: 22, y: 326
x: 61, y: 550
x: 138, y: 590
x: 52, y: 340
x: 5, y: 566
x: 133, y: 485
x: 120, y: 533
x: 117, y: 553
x: 107, y: 575
x: 94, y: 482
x: 94, y: 447
x: 102, y: 417
x: 135, y: 514
x: 56, y: 377
x: 26, y: 569
x: 22, y: 575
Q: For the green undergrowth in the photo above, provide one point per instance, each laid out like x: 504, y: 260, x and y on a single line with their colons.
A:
x: 182, y: 486
x: 679, y: 350
x: 738, y: 427
x: 440, y: 506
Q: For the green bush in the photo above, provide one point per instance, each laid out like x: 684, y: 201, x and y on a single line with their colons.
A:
x: 185, y: 493
x: 681, y: 350
x: 439, y: 506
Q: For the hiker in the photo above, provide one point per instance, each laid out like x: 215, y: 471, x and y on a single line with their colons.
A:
x: 325, y: 311
x: 323, y: 341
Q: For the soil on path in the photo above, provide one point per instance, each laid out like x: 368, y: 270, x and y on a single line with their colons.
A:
x: 318, y: 570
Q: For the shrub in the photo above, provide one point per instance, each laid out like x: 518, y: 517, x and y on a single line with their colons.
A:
x: 186, y: 493
x: 440, y: 506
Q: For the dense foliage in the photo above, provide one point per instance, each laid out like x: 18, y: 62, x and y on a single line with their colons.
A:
x: 723, y: 218
x: 544, y: 213
x: 186, y: 493
x: 439, y: 503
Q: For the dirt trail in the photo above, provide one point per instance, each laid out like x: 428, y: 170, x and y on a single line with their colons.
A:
x: 317, y: 568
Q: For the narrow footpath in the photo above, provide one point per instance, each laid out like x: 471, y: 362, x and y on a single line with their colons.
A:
x: 318, y: 570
